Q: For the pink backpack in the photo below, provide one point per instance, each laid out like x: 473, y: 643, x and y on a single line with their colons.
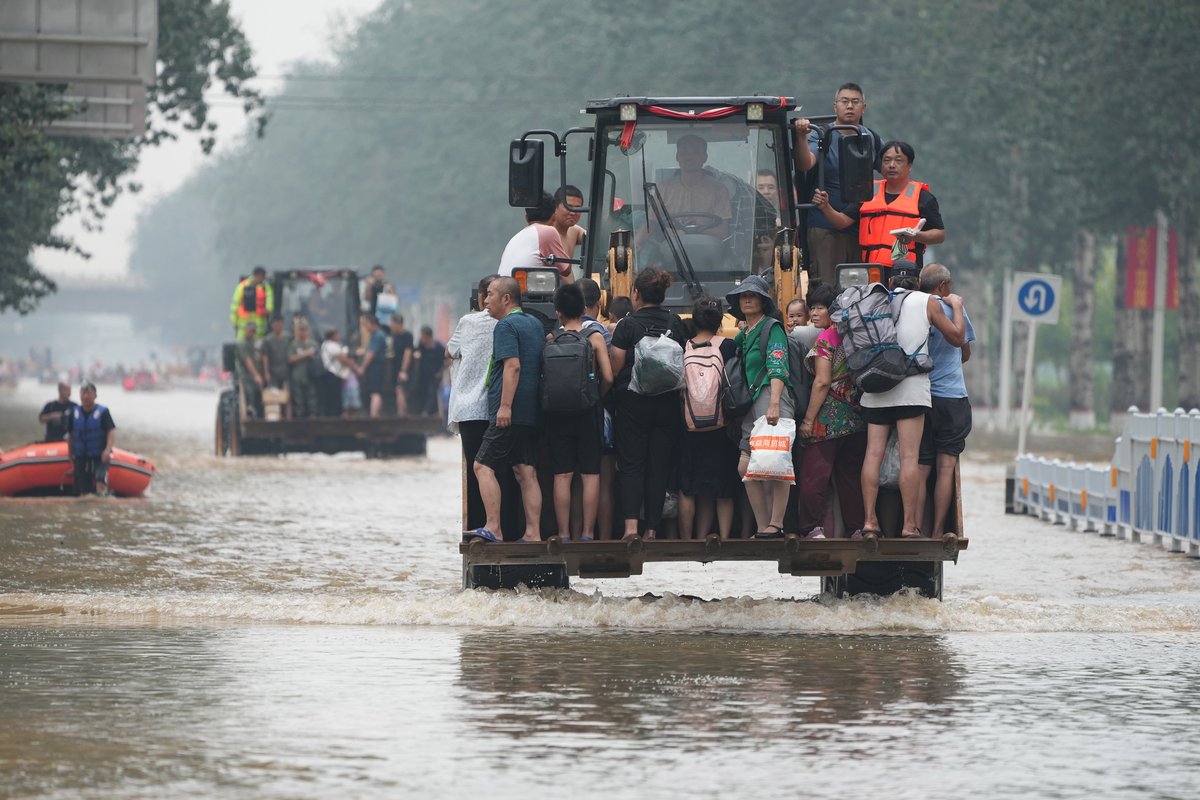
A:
x: 704, y: 385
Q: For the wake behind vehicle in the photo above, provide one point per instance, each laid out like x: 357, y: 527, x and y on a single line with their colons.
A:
x: 642, y: 215
x: 324, y: 298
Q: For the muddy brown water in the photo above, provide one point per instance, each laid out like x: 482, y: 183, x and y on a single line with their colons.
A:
x: 294, y: 627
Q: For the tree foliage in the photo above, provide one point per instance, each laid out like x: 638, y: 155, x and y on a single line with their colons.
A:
x: 1031, y: 119
x: 47, y: 178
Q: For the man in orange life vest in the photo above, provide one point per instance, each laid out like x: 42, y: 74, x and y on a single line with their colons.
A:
x: 898, y: 203
x: 253, y: 301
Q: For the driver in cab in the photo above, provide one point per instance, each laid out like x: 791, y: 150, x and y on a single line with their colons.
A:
x: 695, y: 199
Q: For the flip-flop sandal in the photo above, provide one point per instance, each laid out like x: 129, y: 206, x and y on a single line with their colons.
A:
x: 768, y: 534
x: 866, y: 534
x: 913, y: 535
x: 585, y: 539
x: 482, y: 534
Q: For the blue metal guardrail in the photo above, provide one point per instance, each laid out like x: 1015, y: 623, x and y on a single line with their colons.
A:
x: 1150, y: 493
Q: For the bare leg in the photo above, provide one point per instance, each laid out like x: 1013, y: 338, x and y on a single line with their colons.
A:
x: 562, y: 503
x: 923, y: 485
x: 908, y: 434
x: 877, y: 436
x: 756, y: 493
x: 604, y: 512
x: 489, y: 491
x: 687, y: 515
x: 778, y: 493
x: 591, y: 499
x: 576, y: 520
x: 943, y: 491
x: 531, y: 498
x: 401, y: 402
x: 725, y: 516
x: 704, y: 516
x: 376, y: 404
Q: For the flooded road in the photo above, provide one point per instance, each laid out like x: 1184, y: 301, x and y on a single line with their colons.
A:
x: 293, y: 627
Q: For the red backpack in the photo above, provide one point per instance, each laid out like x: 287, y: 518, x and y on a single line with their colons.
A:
x: 704, y: 385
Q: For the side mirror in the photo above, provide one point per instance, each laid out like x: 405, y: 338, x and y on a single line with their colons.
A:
x: 856, y: 167
x: 525, y: 172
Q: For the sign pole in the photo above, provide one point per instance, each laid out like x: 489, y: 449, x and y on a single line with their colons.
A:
x: 1035, y: 300
x: 1004, y: 412
x: 1027, y: 389
x: 1160, y: 304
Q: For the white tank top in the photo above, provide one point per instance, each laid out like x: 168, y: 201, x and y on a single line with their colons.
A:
x: 912, y: 333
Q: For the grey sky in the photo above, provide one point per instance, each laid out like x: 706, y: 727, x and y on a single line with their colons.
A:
x: 281, y: 32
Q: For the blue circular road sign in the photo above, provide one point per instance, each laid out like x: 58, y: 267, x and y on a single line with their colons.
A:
x: 1036, y: 298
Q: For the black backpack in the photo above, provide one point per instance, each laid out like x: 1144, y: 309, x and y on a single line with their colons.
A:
x: 569, y: 380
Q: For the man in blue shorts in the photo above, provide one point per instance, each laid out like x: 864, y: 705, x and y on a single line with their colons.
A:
x: 511, y: 439
x: 948, y: 421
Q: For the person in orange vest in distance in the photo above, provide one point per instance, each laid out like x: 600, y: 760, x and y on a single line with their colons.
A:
x: 253, y: 301
x: 899, y: 202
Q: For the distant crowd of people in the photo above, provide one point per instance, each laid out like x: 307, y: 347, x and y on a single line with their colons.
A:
x: 322, y: 375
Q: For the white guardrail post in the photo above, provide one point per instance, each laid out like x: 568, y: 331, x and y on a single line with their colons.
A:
x: 1149, y: 493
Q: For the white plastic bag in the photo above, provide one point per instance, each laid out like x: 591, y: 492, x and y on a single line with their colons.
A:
x: 657, y: 366
x: 889, y: 468
x: 771, y: 451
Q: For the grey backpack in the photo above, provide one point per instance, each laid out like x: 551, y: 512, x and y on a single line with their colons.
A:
x: 866, y: 318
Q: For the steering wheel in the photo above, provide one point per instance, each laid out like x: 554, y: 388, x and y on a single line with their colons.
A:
x: 703, y: 221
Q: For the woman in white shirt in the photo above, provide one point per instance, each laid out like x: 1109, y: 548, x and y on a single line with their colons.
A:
x: 469, y: 352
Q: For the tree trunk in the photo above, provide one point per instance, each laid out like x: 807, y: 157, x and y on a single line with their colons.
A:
x: 1189, y: 312
x: 1125, y: 386
x: 1082, y: 377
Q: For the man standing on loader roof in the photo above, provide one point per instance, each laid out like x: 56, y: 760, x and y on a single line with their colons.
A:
x: 253, y: 301
x: 828, y: 245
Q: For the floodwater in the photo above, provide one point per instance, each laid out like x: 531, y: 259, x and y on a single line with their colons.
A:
x: 294, y: 628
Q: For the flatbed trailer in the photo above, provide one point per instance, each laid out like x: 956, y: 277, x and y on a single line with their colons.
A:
x: 381, y: 436
x: 881, y: 566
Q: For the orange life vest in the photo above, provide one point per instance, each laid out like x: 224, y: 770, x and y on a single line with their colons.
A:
x: 877, y: 218
x: 257, y: 308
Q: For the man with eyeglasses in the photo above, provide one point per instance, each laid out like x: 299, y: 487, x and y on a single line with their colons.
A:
x: 827, y: 245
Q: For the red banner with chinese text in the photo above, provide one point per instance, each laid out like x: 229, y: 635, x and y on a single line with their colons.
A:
x: 1141, y: 261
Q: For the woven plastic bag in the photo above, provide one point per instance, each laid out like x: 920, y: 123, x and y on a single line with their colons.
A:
x: 657, y: 366
x: 771, y: 451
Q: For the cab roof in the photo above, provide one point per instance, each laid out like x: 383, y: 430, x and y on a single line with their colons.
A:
x: 773, y: 101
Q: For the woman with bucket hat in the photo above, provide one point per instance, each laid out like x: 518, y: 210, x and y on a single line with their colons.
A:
x: 764, y: 350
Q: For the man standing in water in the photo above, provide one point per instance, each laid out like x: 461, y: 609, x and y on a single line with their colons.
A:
x: 92, y: 433
x: 511, y: 440
x: 55, y: 414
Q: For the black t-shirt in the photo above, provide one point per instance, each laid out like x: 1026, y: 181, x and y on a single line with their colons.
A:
x: 400, y: 343
x: 57, y: 429
x: 429, y: 360
x: 630, y: 331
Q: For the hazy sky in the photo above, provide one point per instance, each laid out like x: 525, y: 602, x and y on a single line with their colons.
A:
x: 281, y: 32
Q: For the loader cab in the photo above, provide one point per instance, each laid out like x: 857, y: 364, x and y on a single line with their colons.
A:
x: 324, y: 297
x: 674, y: 186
